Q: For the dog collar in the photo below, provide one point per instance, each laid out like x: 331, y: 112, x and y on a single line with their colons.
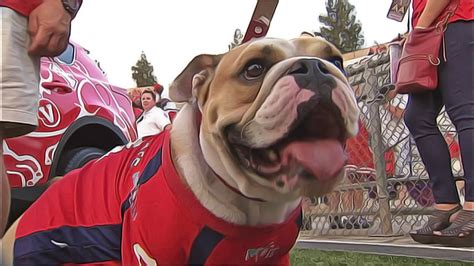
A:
x: 198, y: 122
x: 236, y: 190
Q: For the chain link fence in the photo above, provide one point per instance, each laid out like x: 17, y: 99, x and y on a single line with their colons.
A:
x: 385, y: 191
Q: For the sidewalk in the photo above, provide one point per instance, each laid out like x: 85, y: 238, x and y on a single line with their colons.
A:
x: 393, y: 246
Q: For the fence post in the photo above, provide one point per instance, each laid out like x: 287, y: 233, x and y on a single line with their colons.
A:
x: 376, y: 143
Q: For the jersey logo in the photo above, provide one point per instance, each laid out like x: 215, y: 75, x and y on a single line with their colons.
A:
x: 59, y: 244
x: 143, y: 257
x: 133, y: 195
x: 260, y: 253
x: 140, y: 178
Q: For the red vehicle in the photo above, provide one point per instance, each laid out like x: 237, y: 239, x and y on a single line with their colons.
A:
x: 81, y: 117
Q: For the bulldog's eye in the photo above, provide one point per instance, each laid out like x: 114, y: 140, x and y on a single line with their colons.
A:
x: 253, y: 70
x: 337, y: 61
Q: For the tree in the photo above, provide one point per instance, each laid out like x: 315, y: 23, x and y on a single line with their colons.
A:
x: 341, y: 27
x: 238, y: 36
x: 142, y: 72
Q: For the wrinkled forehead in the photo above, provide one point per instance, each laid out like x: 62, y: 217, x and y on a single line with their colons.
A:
x: 314, y: 46
x: 273, y: 49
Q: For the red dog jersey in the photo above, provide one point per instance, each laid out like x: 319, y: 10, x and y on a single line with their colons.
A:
x: 131, y: 207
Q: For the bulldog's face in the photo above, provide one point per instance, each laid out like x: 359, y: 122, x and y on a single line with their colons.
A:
x: 275, y: 115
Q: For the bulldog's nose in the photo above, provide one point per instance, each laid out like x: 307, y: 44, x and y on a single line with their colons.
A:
x: 313, y: 75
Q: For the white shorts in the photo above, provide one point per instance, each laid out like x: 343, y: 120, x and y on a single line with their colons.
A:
x: 19, y: 77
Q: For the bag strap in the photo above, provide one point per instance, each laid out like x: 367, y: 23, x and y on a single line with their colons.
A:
x: 442, y: 20
x: 409, y: 19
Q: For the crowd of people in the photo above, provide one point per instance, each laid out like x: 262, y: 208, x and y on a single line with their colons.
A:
x: 35, y: 28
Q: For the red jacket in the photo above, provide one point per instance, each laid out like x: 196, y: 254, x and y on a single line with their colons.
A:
x: 130, y: 207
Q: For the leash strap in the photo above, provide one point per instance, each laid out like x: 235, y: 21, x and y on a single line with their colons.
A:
x: 261, y: 18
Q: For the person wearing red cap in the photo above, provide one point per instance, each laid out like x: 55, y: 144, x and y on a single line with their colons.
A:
x: 158, y: 88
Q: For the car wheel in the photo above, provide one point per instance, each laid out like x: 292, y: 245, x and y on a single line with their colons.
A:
x: 78, y: 157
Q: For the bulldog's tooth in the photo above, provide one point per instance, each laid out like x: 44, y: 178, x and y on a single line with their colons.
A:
x: 246, y: 162
x: 272, y: 155
x: 296, y: 170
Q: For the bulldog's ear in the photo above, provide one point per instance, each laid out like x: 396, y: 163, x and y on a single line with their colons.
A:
x: 195, y: 73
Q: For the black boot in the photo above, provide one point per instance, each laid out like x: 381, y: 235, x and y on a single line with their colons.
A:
x: 335, y: 222
x: 357, y: 222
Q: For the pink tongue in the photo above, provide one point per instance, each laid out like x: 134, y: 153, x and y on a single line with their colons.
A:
x: 323, y: 158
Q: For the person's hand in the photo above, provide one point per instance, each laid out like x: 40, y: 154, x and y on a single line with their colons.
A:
x: 49, y: 26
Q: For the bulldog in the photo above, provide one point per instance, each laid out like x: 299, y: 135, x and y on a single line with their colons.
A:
x: 262, y: 126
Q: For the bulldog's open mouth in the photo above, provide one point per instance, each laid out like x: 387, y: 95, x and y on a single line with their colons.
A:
x: 312, y: 149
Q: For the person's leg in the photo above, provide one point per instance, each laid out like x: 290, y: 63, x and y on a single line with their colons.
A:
x: 5, y: 198
x: 457, y: 83
x: 402, y: 157
x: 347, y: 205
x: 420, y: 118
x: 19, y: 79
x: 456, y: 76
x: 358, y: 200
x: 334, y: 199
x: 462, y: 194
x: 7, y: 243
x: 347, y: 200
x: 353, y: 201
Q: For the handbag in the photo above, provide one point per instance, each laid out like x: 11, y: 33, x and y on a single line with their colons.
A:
x: 418, y: 65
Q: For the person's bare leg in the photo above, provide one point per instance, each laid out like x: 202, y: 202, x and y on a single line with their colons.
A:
x: 445, y: 206
x: 353, y: 201
x: 7, y: 243
x: 358, y: 200
x: 348, y: 201
x: 5, y: 197
x: 469, y: 205
x: 333, y: 201
x: 403, y: 197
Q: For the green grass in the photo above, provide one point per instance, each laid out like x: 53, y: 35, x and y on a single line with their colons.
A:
x: 307, y: 257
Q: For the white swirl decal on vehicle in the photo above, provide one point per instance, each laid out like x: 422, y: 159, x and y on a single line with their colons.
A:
x: 20, y: 175
x: 121, y: 119
x: 49, y: 154
x: 81, y: 92
x: 33, y: 167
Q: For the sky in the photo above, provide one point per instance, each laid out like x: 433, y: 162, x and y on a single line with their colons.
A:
x: 172, y: 32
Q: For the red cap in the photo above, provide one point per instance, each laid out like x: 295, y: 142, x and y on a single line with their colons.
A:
x: 158, y: 88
